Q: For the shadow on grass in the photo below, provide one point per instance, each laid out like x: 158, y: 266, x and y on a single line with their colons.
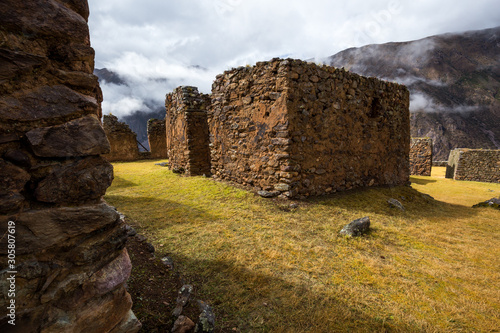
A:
x: 245, y: 301
x: 374, y: 200
x: 420, y: 181
x: 162, y: 211
x: 119, y: 182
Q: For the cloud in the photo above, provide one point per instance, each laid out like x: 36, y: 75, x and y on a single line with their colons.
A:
x: 421, y: 102
x: 149, y: 41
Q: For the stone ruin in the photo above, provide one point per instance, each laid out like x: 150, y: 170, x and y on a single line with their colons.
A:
x: 300, y: 129
x: 421, y: 156
x: 187, y: 131
x: 157, y: 133
x: 62, y: 248
x: 294, y: 128
x: 480, y: 165
x: 122, y: 139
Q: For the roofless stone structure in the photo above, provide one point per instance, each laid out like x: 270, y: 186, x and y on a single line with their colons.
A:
x: 300, y: 129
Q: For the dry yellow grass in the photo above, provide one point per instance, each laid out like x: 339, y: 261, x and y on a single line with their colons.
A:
x: 265, y: 267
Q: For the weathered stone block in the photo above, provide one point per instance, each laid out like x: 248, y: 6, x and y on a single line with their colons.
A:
x: 80, y: 137
x: 82, y: 181
x: 40, y: 229
x: 12, y: 182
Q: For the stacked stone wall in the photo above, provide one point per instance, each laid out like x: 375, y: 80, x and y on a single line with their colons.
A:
x: 122, y: 140
x: 157, y: 138
x: 301, y: 129
x: 421, y: 156
x: 63, y: 262
x: 187, y: 134
x: 474, y: 165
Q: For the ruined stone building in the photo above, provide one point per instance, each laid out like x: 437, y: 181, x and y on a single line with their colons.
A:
x: 187, y: 131
x: 122, y: 139
x: 294, y: 128
x: 421, y: 156
x: 62, y: 251
x: 481, y: 165
x: 301, y: 129
x: 157, y: 133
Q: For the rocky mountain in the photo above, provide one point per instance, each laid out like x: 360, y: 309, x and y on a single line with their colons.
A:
x: 454, y: 82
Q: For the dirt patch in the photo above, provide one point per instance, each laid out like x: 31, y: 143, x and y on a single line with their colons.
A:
x: 154, y: 287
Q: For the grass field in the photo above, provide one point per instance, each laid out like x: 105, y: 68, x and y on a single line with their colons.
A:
x: 266, y: 267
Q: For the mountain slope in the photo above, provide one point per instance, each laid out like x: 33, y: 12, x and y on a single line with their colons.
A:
x: 454, y: 82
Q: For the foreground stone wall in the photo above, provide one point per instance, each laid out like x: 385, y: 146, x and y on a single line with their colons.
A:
x: 62, y: 256
x: 421, y: 156
x: 295, y: 128
x: 474, y: 165
x: 122, y: 139
x: 187, y: 131
x: 157, y: 138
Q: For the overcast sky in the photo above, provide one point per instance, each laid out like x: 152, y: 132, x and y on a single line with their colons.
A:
x: 146, y: 40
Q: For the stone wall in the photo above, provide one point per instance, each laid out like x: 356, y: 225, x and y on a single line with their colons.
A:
x: 421, y: 156
x: 187, y: 131
x: 296, y: 128
x: 122, y: 139
x: 157, y: 138
x: 474, y: 165
x: 62, y: 256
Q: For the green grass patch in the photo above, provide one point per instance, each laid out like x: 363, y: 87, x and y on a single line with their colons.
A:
x: 264, y: 266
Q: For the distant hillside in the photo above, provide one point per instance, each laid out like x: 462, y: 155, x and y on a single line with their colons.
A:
x: 454, y: 81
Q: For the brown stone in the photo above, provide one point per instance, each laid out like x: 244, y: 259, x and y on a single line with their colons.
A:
x: 12, y: 182
x: 480, y: 165
x: 39, y: 229
x: 45, y: 103
x: 187, y: 131
x: 44, y: 19
x: 81, y: 181
x: 316, y: 133
x: 157, y: 138
x: 183, y: 324
x: 70, y: 258
x: 80, y: 137
x: 122, y: 140
x: 421, y: 156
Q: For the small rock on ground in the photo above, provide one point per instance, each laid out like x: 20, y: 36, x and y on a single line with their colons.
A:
x: 182, y: 299
x: 183, y: 324
x: 356, y: 227
x: 268, y: 194
x: 493, y: 203
x: 395, y: 204
x: 206, y: 321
